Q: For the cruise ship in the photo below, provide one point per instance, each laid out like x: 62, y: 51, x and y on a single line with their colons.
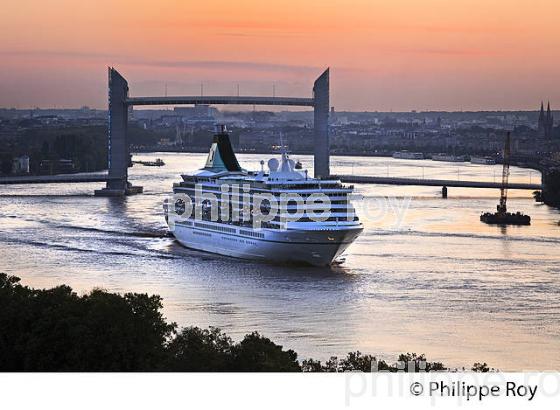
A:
x: 279, y: 214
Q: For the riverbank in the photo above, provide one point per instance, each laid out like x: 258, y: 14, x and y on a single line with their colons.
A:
x: 408, y: 266
x: 57, y: 330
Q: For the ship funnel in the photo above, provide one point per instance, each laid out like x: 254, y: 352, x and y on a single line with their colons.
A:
x: 221, y: 129
x: 221, y: 156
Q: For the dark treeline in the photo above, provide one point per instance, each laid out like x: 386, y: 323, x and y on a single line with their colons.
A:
x: 85, y: 146
x: 57, y: 330
x: 551, y: 192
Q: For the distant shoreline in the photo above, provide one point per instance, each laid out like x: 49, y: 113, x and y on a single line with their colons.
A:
x: 361, y: 154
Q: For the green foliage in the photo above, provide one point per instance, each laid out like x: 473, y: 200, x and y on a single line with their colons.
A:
x: 312, y: 365
x: 358, y: 362
x: 259, y: 354
x: 551, y: 191
x: 418, y: 363
x: 5, y: 163
x: 198, y: 350
x: 57, y: 330
x: 480, y: 368
x: 86, y: 146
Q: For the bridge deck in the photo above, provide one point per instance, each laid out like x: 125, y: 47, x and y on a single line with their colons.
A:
x: 211, y: 100
x: 84, y: 178
x: 431, y: 182
x: 54, y: 179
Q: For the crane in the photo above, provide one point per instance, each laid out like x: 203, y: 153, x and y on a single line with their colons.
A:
x: 502, y: 216
x: 502, y: 207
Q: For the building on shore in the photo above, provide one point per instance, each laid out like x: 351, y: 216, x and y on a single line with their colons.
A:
x: 20, y: 165
x: 545, y: 123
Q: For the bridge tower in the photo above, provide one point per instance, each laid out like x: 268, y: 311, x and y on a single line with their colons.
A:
x: 117, y: 143
x: 321, y: 141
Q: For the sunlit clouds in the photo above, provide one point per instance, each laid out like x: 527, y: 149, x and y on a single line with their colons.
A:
x: 399, y: 55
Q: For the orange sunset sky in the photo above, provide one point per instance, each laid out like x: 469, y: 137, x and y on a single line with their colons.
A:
x: 384, y: 55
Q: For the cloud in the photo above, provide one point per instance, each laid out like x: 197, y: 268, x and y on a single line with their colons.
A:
x: 191, y: 64
x: 236, y: 65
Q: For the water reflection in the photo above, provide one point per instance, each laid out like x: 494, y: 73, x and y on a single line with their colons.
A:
x: 440, y: 282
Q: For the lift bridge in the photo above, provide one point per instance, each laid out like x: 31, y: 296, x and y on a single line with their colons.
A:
x: 118, y: 146
x: 120, y: 101
x: 116, y: 179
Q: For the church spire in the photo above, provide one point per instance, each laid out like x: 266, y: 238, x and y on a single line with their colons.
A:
x: 541, y: 125
x: 549, y: 119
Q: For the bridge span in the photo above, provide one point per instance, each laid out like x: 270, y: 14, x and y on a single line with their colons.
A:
x: 432, y: 182
x: 214, y: 100
x: 356, y: 179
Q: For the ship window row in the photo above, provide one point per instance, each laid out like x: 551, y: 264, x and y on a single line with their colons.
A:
x: 307, y: 186
x: 348, y: 218
x: 215, y: 185
x: 202, y: 233
x: 273, y: 189
x: 206, y: 213
x: 215, y: 227
x: 341, y: 196
x: 251, y: 233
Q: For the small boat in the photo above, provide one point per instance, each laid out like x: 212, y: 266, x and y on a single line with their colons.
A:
x: 505, y: 218
x: 483, y: 161
x: 157, y: 163
x: 408, y: 155
x: 448, y: 158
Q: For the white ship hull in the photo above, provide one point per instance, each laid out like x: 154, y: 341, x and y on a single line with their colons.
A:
x: 313, y: 247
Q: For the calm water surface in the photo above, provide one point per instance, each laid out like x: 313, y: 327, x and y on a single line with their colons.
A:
x: 429, y: 278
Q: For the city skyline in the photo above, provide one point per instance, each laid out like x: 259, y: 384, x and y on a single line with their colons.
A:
x: 401, y: 56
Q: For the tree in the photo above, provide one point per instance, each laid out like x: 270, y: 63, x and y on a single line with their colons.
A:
x: 200, y: 350
x: 356, y: 361
x: 5, y: 164
x: 57, y: 330
x: 480, y: 368
x: 256, y: 353
x: 311, y: 365
x: 419, y: 363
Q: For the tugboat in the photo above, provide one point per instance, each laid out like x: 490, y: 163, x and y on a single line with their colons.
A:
x: 502, y: 216
x: 157, y: 163
x: 505, y: 218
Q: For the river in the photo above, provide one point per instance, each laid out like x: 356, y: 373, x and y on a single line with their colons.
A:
x: 425, y: 276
